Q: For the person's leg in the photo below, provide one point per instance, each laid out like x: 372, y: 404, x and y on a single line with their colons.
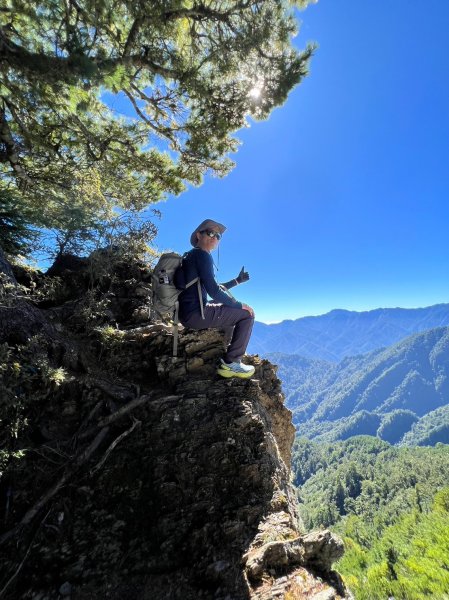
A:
x: 240, y: 336
x: 219, y: 315
x: 227, y: 332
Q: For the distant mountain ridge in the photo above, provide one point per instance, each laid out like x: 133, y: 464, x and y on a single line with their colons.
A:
x: 342, y: 333
x: 396, y: 392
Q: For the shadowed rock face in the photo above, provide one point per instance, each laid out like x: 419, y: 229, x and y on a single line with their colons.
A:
x: 239, y: 442
x: 187, y: 496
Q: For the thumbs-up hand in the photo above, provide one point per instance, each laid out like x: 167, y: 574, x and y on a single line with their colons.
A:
x: 242, y: 276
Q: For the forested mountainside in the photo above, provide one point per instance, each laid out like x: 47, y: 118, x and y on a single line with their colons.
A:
x: 342, y: 333
x: 126, y: 473
x: 391, y: 505
x: 393, y: 393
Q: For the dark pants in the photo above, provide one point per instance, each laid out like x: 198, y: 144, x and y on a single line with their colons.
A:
x: 219, y: 315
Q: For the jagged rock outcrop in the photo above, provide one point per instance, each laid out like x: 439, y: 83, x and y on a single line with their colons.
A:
x: 151, y: 478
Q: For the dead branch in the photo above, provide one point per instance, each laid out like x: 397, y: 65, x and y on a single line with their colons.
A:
x: 117, y: 441
x: 117, y: 414
x: 124, y: 410
x: 84, y: 456
x: 14, y: 575
x: 87, y: 420
x: 118, y: 392
x: 69, y: 472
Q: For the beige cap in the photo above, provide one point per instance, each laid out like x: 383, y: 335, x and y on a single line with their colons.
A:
x: 207, y: 224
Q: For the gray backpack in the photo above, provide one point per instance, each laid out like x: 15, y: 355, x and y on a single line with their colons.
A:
x: 165, y: 293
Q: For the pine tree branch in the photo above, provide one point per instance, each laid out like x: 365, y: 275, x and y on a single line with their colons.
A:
x: 11, y: 154
x: 132, y: 35
x: 70, y: 68
x: 201, y: 12
x: 165, y: 132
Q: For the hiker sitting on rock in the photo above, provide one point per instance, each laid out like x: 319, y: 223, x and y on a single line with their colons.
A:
x: 226, y: 311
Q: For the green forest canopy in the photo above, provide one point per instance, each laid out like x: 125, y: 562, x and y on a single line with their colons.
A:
x: 191, y: 71
x: 390, y: 505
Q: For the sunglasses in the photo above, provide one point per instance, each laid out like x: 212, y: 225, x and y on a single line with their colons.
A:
x: 211, y: 234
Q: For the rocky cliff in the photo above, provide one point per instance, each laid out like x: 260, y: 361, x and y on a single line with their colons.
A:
x: 127, y: 473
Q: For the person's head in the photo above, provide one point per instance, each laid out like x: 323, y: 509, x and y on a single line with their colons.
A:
x: 207, y: 235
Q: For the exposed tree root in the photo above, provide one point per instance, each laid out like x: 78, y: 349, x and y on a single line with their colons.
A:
x: 68, y: 473
x: 84, y: 456
x: 117, y: 441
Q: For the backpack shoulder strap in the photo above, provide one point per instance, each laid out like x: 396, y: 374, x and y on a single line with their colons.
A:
x: 176, y: 329
x: 200, y: 295
x: 198, y: 283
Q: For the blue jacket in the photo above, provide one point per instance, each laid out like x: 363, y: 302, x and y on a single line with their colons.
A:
x: 199, y: 263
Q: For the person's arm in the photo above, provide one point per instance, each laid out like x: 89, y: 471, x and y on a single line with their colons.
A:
x: 230, y: 284
x: 205, y: 268
x: 241, y: 277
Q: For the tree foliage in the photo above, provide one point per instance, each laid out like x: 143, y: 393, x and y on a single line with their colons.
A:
x: 368, y: 478
x: 390, y: 505
x: 183, y: 74
x: 395, y: 424
x: 409, y: 560
x: 15, y: 232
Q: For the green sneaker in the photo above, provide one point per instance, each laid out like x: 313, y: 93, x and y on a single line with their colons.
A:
x: 235, y: 369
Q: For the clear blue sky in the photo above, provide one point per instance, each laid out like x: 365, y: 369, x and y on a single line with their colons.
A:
x: 341, y: 198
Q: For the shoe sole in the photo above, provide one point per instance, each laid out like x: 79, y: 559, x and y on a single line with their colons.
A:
x: 228, y: 373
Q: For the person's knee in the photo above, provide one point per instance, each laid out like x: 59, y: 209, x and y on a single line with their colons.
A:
x: 248, y: 317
